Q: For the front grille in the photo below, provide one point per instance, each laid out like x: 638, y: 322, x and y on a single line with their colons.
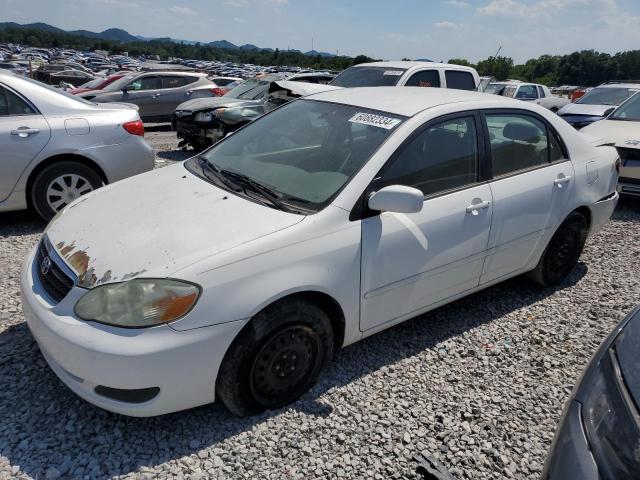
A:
x: 53, y: 279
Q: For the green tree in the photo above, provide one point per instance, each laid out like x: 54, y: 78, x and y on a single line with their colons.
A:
x: 499, y: 67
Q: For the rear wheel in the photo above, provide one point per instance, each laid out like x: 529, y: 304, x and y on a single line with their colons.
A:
x: 563, y: 251
x: 276, y: 358
x: 60, y: 184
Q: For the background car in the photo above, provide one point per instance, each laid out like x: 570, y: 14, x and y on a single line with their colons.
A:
x: 599, y: 432
x: 57, y: 147
x: 622, y: 129
x: 323, y: 222
x: 96, y: 84
x: 73, y: 77
x: 222, y: 84
x: 597, y: 103
x: 157, y: 94
x: 530, y: 92
x: 408, y: 74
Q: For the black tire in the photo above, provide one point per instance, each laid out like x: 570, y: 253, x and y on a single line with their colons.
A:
x: 65, y: 169
x: 276, y: 358
x: 563, y: 251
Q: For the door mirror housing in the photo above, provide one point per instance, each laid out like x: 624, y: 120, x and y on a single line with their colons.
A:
x: 609, y: 111
x: 396, y: 199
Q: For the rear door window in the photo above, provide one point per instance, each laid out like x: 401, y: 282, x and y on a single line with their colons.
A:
x: 173, y: 82
x: 424, y: 78
x: 459, y: 80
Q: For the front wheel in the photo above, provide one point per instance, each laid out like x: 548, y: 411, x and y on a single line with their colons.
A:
x: 563, y: 251
x: 60, y: 184
x: 276, y: 358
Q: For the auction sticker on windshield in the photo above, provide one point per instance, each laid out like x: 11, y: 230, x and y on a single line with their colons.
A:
x: 395, y: 73
x: 374, y: 120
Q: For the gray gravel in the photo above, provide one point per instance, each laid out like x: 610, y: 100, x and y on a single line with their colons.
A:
x: 480, y: 384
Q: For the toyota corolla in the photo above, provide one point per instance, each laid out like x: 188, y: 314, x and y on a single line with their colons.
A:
x: 240, y: 271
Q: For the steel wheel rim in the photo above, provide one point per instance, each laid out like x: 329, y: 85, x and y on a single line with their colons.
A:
x: 285, y: 363
x: 64, y: 189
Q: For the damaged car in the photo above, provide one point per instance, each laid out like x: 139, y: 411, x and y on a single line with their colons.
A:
x: 202, y: 122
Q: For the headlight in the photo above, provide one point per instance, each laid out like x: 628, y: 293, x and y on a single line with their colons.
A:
x: 610, y: 420
x: 203, y: 117
x: 138, y: 303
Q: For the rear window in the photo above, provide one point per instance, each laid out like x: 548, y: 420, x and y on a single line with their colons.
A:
x: 460, y: 80
x: 368, y: 77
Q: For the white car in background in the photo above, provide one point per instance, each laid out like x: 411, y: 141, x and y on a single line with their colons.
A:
x: 529, y: 92
x: 622, y: 130
x: 55, y: 147
x: 408, y: 74
x: 239, y: 272
x: 597, y: 103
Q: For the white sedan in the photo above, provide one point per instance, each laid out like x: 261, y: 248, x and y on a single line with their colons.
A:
x: 237, y: 274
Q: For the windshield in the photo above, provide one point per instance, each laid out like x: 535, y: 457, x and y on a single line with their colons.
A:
x: 92, y: 83
x: 250, y: 90
x: 118, y: 84
x: 607, y: 95
x: 629, y: 111
x: 495, y: 88
x: 368, y: 77
x: 305, y: 151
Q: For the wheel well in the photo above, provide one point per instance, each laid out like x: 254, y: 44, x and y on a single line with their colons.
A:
x: 329, y: 306
x: 587, y: 214
x: 69, y: 157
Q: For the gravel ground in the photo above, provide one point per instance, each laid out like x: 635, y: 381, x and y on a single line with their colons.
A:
x: 479, y: 384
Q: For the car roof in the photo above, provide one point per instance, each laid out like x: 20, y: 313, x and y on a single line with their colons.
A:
x: 619, y: 85
x: 406, y: 101
x: 407, y: 64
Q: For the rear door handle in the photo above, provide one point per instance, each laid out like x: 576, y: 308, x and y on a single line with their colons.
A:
x: 155, y: 95
x: 475, y: 207
x: 189, y: 92
x: 24, y: 132
x: 561, y: 181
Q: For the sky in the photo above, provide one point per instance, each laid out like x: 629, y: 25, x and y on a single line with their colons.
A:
x: 386, y: 29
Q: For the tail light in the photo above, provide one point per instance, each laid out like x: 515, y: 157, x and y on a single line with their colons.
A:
x: 134, y: 128
x: 219, y: 91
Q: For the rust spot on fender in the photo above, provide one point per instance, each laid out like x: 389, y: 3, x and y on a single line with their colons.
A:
x: 128, y: 276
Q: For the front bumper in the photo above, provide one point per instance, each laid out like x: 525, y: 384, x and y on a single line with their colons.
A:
x: 85, y: 355
x: 570, y: 454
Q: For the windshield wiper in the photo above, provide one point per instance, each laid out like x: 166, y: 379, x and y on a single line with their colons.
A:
x: 218, y: 177
x: 271, y: 196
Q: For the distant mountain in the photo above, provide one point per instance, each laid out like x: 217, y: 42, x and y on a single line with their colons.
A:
x: 119, y: 35
x: 315, y: 53
x: 223, y: 44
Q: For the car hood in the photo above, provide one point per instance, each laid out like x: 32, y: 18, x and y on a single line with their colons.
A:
x: 584, y: 109
x: 208, y: 103
x: 626, y: 346
x: 620, y: 133
x: 154, y: 224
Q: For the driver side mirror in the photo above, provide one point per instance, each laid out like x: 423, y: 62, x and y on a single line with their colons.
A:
x: 396, y: 199
x: 125, y: 90
x: 609, y: 111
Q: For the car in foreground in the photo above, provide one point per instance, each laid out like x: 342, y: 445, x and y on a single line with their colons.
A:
x: 56, y: 147
x: 200, y: 123
x: 157, y: 93
x: 408, y: 74
x: 622, y: 130
x: 337, y: 215
x: 597, y: 103
x: 599, y: 432
x: 529, y: 92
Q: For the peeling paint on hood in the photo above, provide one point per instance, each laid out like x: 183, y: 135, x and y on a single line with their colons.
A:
x: 156, y: 223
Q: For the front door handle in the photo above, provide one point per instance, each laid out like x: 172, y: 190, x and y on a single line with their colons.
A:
x: 561, y: 181
x: 24, y: 132
x: 474, y: 208
x: 155, y: 95
x: 189, y: 92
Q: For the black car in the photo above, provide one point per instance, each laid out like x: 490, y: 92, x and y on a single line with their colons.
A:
x: 598, y: 437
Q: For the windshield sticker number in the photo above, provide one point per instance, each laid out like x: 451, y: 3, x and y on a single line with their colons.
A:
x: 374, y: 120
x: 395, y: 73
x: 635, y: 143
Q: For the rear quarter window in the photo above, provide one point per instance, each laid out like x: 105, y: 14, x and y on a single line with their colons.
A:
x: 459, y: 80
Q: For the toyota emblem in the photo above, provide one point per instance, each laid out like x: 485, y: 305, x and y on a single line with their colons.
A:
x: 45, y: 266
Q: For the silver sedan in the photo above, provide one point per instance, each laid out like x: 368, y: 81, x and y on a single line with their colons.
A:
x: 56, y: 147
